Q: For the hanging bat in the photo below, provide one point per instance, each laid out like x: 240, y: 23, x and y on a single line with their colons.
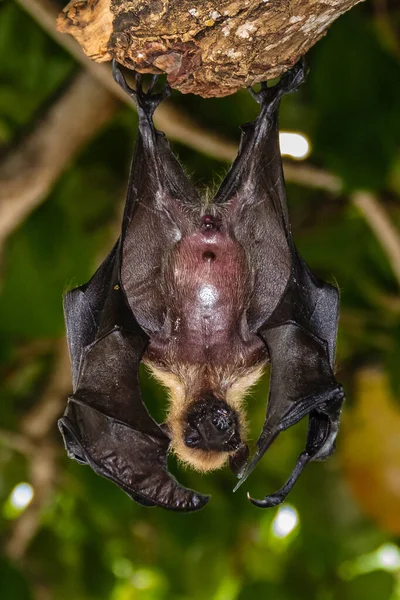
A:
x: 206, y: 294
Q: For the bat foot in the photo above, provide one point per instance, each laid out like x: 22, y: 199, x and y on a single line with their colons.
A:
x: 289, y: 82
x: 292, y: 79
x: 279, y: 496
x: 146, y: 102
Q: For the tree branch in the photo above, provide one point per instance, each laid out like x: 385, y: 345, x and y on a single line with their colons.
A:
x: 380, y: 223
x: 28, y: 173
x: 206, y: 48
x: 37, y: 430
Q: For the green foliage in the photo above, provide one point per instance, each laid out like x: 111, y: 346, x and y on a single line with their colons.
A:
x: 93, y: 542
x: 355, y: 85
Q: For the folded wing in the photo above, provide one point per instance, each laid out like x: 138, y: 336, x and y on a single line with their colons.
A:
x: 294, y: 313
x: 106, y: 424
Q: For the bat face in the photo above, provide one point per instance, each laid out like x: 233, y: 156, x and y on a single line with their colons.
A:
x: 205, y: 294
x: 207, y: 430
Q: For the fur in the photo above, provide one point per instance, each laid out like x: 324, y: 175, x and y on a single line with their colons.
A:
x: 184, y: 382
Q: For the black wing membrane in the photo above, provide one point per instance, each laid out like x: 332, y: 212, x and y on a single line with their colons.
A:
x: 106, y: 424
x: 295, y: 314
x: 254, y: 192
x: 160, y: 202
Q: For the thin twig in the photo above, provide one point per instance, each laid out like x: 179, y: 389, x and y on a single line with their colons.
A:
x: 42, y: 472
x: 16, y: 441
x: 37, y: 427
x: 380, y: 223
x: 40, y: 420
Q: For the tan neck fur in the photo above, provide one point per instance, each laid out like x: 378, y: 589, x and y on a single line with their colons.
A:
x: 185, y: 383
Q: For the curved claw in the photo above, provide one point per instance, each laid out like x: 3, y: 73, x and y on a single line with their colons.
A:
x: 262, y: 94
x: 289, y: 82
x: 146, y: 102
x: 268, y: 502
x: 280, y: 495
x: 120, y: 79
x: 153, y: 82
x: 138, y: 82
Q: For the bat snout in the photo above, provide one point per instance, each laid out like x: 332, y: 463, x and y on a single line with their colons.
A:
x: 212, y: 425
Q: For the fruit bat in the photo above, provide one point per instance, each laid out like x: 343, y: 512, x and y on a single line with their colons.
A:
x: 206, y: 294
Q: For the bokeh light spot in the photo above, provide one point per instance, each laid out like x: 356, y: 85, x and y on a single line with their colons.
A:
x: 293, y: 144
x: 388, y: 557
x: 21, y: 495
x: 286, y: 520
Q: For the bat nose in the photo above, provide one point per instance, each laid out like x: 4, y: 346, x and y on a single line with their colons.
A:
x: 222, y: 422
x: 212, y: 425
x: 216, y: 428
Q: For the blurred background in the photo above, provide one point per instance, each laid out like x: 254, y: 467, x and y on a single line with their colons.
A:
x: 65, y: 146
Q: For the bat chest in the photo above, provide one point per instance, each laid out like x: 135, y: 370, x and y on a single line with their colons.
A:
x: 206, y: 289
x: 209, y: 282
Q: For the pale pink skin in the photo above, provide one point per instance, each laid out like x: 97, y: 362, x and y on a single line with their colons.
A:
x: 207, y: 290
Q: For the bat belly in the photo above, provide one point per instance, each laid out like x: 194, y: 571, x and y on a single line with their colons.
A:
x: 207, y: 285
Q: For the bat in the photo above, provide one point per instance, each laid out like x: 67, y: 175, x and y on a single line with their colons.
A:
x: 205, y: 294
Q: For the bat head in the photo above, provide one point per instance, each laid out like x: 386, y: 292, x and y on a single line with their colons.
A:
x: 206, y: 432
x: 211, y: 425
x: 207, y: 428
x: 210, y: 430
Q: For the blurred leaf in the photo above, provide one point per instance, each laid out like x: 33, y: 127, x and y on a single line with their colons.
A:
x: 13, y: 584
x: 369, y: 587
x: 370, y: 449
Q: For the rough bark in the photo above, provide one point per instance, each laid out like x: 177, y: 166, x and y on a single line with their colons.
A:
x: 209, y: 48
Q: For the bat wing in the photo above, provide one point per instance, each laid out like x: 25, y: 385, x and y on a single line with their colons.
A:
x: 301, y: 338
x: 159, y: 206
x: 82, y: 311
x: 294, y: 313
x: 106, y: 424
x: 255, y: 196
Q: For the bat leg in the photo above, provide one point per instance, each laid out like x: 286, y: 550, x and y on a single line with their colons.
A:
x: 146, y: 102
x: 289, y: 82
x: 322, y: 431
